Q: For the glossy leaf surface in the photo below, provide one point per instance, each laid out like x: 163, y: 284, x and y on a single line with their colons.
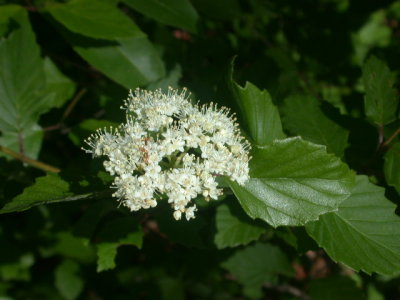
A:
x: 293, y: 182
x: 259, y: 115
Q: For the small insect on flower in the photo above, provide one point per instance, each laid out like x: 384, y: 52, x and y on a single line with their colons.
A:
x: 145, y: 154
x: 171, y: 147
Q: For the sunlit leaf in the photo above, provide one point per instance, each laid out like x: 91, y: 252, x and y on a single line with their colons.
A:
x: 259, y: 115
x: 293, y: 182
x: 364, y: 233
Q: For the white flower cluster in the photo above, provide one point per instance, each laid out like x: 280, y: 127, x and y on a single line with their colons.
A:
x: 169, y: 147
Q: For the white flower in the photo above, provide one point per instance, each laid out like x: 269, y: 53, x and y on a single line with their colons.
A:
x: 189, y: 212
x: 170, y: 147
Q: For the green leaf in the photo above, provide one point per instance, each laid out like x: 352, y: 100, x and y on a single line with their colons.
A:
x: 47, y: 189
x: 7, y: 13
x: 21, y: 76
x: 333, y: 288
x: 58, y: 88
x: 234, y: 227
x: 374, y: 294
x: 56, y: 91
x: 170, y: 80
x: 71, y: 246
x: 259, y: 115
x: 92, y: 18
x: 106, y: 253
x: 224, y: 10
x: 130, y: 62
x: 31, y: 140
x: 258, y: 264
x: 380, y: 99
x: 177, y: 13
x: 334, y: 95
x: 68, y: 283
x: 17, y: 269
x: 364, y: 233
x: 302, y: 116
x: 392, y: 166
x: 293, y: 182
x: 29, y: 87
x: 373, y: 33
x: 117, y: 232
x: 171, y: 288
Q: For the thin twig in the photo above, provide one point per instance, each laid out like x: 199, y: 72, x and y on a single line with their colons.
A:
x: 381, y: 131
x: 73, y: 103
x: 52, y: 127
x: 34, y: 163
x: 391, y: 138
x: 67, y: 112
x: 29, y: 6
x: 285, y: 288
x: 21, y: 143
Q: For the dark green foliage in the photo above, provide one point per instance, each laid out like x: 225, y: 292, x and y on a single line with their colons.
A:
x: 363, y: 232
x: 303, y: 117
x: 315, y: 88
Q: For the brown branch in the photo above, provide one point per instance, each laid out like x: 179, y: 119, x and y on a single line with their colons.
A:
x: 21, y: 143
x: 52, y: 127
x: 67, y: 112
x: 381, y: 132
x: 285, y: 288
x: 34, y: 163
x: 391, y: 138
x: 73, y: 103
x: 29, y: 6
